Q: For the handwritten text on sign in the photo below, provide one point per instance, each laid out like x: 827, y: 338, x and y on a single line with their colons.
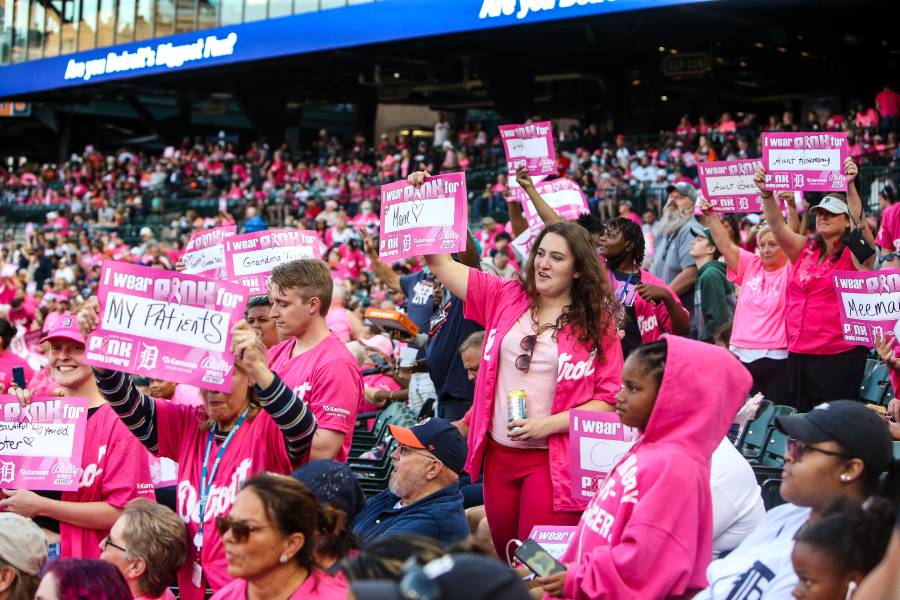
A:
x: 159, y: 324
x: 531, y: 146
x: 41, y: 444
x: 430, y: 219
x: 251, y: 257
x: 597, y: 442
x: 562, y: 195
x: 205, y: 252
x: 870, y: 304
x: 728, y: 186
x: 805, y: 161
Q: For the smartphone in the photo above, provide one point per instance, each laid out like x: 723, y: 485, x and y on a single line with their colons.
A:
x: 538, y: 560
x: 18, y: 375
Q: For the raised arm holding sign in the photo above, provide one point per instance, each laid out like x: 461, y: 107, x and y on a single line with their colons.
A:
x: 166, y: 325
x: 811, y: 162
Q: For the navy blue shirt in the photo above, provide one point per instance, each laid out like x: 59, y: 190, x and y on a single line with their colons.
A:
x: 439, y: 516
x: 448, y: 330
x: 419, y: 291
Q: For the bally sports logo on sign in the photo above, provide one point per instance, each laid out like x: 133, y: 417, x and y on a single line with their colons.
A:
x: 521, y: 8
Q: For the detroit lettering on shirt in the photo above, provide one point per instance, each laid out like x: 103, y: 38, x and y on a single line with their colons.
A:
x: 116, y: 469
x: 328, y: 379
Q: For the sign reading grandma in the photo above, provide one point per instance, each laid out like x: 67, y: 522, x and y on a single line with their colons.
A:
x: 372, y: 23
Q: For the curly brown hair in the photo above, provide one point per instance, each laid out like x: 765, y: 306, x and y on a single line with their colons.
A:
x: 593, y: 308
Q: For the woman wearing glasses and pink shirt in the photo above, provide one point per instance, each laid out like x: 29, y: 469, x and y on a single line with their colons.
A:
x: 553, y: 337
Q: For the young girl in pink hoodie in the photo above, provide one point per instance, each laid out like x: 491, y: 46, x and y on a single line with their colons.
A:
x: 648, y: 531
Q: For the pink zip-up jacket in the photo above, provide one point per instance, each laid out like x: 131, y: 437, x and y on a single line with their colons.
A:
x: 652, y: 319
x: 582, y: 375
x: 648, y: 532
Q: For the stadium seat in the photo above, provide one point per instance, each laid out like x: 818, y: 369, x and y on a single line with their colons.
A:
x: 757, y: 435
x: 771, y: 493
x: 873, y: 388
x: 763, y: 406
x: 897, y: 450
x: 775, y: 449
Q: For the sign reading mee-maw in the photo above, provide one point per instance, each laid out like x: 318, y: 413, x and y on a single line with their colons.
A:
x: 250, y: 258
x: 809, y: 162
x: 597, y: 442
x: 430, y: 219
x: 41, y: 443
x: 166, y: 325
x: 870, y: 305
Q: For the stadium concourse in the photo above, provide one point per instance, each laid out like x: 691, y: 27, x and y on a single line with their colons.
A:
x: 583, y: 300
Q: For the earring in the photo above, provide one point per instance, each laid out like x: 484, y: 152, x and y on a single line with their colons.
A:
x: 283, y: 559
x: 845, y: 478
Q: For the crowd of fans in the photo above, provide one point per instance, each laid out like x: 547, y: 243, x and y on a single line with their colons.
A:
x: 647, y: 304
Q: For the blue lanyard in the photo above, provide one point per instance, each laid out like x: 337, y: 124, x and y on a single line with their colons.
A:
x: 625, y: 289
x: 206, y: 484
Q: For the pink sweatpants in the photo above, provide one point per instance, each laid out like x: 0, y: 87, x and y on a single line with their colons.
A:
x: 518, y: 494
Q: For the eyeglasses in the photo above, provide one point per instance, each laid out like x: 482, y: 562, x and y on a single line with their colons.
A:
x: 240, y: 530
x: 415, y: 584
x: 411, y: 450
x: 106, y: 542
x: 523, y: 361
x: 797, y: 449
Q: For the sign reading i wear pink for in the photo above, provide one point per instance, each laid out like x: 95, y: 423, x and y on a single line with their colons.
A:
x: 166, y: 325
x: 205, y: 252
x: 250, y: 258
x: 563, y: 195
x: 809, y: 162
x: 597, y: 441
x: 430, y: 219
x: 531, y: 146
x: 555, y: 539
x: 728, y: 186
x: 41, y: 444
x: 870, y: 305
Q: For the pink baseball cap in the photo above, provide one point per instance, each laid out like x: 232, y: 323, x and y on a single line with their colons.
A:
x: 65, y: 328
x: 379, y: 343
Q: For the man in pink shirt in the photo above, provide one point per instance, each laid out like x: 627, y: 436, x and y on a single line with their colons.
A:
x: 888, y: 103
x: 312, y: 361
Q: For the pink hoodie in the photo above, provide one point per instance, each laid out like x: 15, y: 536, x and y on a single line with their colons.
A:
x: 648, y: 532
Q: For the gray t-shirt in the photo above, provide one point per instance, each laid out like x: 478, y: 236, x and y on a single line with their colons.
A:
x: 672, y: 255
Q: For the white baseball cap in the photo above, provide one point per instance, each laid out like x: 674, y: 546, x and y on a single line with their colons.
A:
x: 22, y: 543
x: 832, y: 204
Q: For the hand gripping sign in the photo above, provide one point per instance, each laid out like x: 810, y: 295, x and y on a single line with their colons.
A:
x: 205, y: 252
x: 870, y: 305
x: 563, y: 195
x: 529, y: 145
x: 166, y: 325
x: 41, y: 443
x: 597, y: 442
x: 250, y: 258
x: 430, y: 219
x: 809, y: 162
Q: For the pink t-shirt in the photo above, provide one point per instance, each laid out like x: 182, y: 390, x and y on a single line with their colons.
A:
x: 377, y: 382
x: 888, y: 103
x: 328, y: 379
x: 759, y: 315
x: 257, y: 446
x: 889, y: 232
x: 8, y: 361
x: 539, y: 383
x: 318, y: 586
x: 187, y: 395
x: 338, y: 321
x: 115, y: 470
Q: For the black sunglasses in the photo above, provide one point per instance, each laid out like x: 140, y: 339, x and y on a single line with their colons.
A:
x: 523, y: 361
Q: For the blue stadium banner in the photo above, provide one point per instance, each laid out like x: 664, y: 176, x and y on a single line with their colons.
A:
x: 377, y: 22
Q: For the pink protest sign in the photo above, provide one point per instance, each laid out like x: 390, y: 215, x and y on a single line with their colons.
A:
x: 249, y: 258
x: 809, y: 162
x: 430, y: 219
x: 597, y: 441
x: 204, y: 253
x: 531, y: 146
x: 870, y: 304
x: 563, y: 195
x: 41, y: 444
x: 555, y: 539
x: 728, y: 186
x: 166, y: 325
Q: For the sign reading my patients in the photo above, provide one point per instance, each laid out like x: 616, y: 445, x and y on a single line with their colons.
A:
x: 205, y: 252
x: 250, y: 258
x: 597, y: 441
x: 809, y: 162
x: 41, y: 443
x: 563, y: 195
x: 166, y: 325
x: 430, y: 219
x: 870, y: 304
x: 530, y: 146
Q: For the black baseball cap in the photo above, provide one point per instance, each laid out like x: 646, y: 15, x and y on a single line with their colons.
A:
x: 450, y: 577
x: 439, y: 437
x: 858, y: 429
x: 334, y: 483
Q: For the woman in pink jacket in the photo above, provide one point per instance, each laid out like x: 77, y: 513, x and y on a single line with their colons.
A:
x: 553, y: 337
x: 647, y: 533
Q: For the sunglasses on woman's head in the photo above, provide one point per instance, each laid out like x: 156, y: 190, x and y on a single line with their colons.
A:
x: 240, y: 530
x: 523, y: 361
